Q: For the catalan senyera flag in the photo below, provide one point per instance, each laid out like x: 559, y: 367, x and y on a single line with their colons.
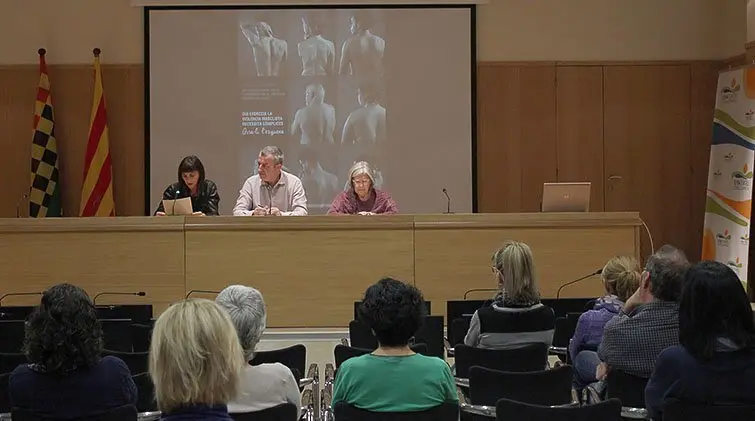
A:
x: 44, y: 193
x: 97, y: 191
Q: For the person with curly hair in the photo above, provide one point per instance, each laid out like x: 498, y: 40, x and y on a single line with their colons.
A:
x: 393, y: 378
x: 66, y: 377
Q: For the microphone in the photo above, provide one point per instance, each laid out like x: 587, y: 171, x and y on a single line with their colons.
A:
x: 138, y: 294
x: 597, y: 272
x: 13, y: 294
x: 270, y: 196
x: 175, y: 198
x: 18, y: 204
x: 448, y: 201
x: 479, y: 290
x: 201, y: 291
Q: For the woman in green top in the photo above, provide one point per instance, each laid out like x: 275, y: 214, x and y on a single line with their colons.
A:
x: 393, y: 378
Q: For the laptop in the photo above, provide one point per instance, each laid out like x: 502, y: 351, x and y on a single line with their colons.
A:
x: 566, y: 197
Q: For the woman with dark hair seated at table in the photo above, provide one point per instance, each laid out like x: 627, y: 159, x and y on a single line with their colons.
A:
x: 67, y: 379
x: 393, y: 378
x: 361, y: 197
x: 192, y: 183
x: 715, y: 361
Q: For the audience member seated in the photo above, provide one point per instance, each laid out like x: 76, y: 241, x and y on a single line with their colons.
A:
x: 195, y: 361
x: 649, y: 321
x: 516, y: 316
x: 621, y: 277
x: 265, y: 385
x: 66, y: 378
x: 393, y: 378
x: 715, y: 361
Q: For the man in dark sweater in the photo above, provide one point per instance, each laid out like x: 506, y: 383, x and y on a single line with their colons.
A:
x: 649, y: 321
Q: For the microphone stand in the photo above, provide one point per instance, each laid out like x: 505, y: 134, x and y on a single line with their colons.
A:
x: 448, y: 201
x: 11, y: 294
x: 558, y: 292
x: 201, y: 291
x: 480, y: 290
x: 138, y: 294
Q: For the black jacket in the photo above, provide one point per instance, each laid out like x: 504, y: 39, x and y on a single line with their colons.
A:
x: 206, y: 201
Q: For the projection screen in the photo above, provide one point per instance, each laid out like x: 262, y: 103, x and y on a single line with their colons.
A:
x: 392, y: 86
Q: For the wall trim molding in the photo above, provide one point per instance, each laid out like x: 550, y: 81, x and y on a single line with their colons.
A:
x: 179, y: 3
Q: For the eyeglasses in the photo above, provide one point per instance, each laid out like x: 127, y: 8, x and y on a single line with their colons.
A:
x: 360, y: 181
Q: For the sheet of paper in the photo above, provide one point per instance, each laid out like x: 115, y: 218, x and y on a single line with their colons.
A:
x: 180, y: 206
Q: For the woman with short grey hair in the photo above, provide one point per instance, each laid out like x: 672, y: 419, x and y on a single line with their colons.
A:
x: 361, y: 197
x: 262, y: 386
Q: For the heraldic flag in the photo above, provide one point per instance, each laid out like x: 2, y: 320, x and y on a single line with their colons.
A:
x: 97, y: 191
x: 44, y: 194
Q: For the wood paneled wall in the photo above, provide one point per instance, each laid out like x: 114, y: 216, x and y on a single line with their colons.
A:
x: 72, y: 90
x: 639, y: 132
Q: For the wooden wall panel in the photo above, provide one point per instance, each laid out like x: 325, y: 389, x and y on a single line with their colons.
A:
x: 72, y: 101
x: 647, y: 148
x: 516, y: 148
x: 579, y: 115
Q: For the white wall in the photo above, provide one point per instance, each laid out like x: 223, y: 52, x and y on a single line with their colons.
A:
x: 508, y: 30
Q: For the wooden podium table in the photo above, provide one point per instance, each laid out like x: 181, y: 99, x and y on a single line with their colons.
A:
x: 310, y: 269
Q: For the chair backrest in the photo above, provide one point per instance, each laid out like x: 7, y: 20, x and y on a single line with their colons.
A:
x: 431, y: 334
x: 628, y: 389
x: 141, y: 334
x: 342, y: 353
x: 4, y: 393
x: 16, y: 312
x: 458, y: 330
x: 137, y: 362
x: 282, y: 412
x: 508, y: 410
x: 545, y: 387
x: 360, y: 335
x: 294, y: 357
x: 529, y: 357
x: 121, y: 413
x: 562, y: 306
x: 145, y: 389
x: 12, y: 332
x: 677, y: 410
x: 9, y: 361
x: 116, y: 334
x: 139, y: 313
x: 448, y: 411
x: 458, y: 309
x: 564, y: 329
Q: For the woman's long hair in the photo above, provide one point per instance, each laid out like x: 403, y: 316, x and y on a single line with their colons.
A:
x: 63, y: 333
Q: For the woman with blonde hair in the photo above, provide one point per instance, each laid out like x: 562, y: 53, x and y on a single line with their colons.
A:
x: 516, y: 317
x: 621, y: 278
x: 361, y: 197
x: 195, y: 360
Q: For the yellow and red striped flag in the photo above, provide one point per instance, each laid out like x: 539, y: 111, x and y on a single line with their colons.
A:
x: 97, y: 191
x: 44, y: 193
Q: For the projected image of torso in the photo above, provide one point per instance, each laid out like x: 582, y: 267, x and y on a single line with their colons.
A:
x: 363, y: 55
x: 317, y: 56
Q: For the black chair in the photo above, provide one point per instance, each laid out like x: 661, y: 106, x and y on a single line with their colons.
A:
x: 546, y: 387
x: 677, y: 410
x: 294, y: 357
x: 4, y: 393
x: 563, y: 306
x: 137, y: 362
x: 360, y: 336
x: 529, y: 357
x: 628, y: 389
x: 446, y: 412
x: 16, y: 312
x: 138, y: 313
x: 122, y: 413
x: 428, y: 307
x: 117, y: 334
x: 343, y: 352
x: 12, y: 334
x: 508, y: 410
x: 282, y: 412
x: 563, y: 332
x: 458, y: 330
x: 141, y: 334
x: 460, y: 309
x: 431, y: 334
x: 145, y: 389
x: 9, y: 362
